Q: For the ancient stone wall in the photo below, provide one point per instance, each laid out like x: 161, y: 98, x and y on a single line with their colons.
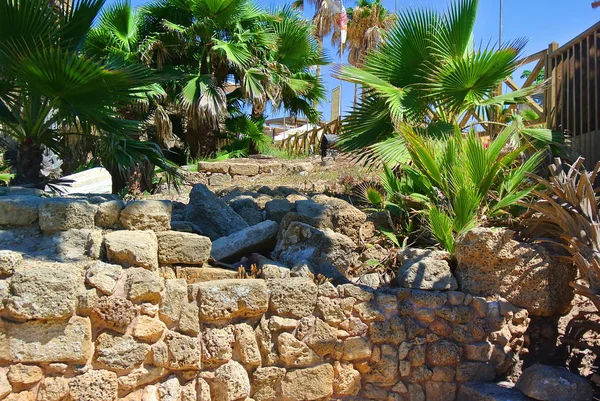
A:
x: 148, y: 323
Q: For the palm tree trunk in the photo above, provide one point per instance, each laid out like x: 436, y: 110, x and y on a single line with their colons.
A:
x: 29, y: 160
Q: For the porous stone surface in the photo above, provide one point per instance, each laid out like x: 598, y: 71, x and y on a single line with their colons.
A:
x: 425, y: 270
x: 214, y: 167
x: 108, y: 213
x: 9, y: 260
x: 231, y: 382
x: 212, y: 215
x: 183, y: 248
x: 119, y: 353
x: 19, y: 211
x: 132, y: 248
x: 491, y: 262
x: 143, y: 285
x: 308, y: 384
x: 103, y: 276
x: 147, y: 215
x: 230, y: 299
x: 551, y: 383
x: 247, y: 169
x: 255, y: 238
x: 294, y: 297
x: 479, y: 391
x: 64, y: 214
x: 94, y: 385
x: 24, y: 376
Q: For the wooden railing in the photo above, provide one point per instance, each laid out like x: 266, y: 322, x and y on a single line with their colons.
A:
x: 308, y: 141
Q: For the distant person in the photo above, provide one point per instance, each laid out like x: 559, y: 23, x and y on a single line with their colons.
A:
x: 324, y: 147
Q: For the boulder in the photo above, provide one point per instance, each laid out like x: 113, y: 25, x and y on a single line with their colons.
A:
x: 62, y: 214
x: 479, y: 391
x: 230, y: 299
x: 212, y: 215
x: 45, y: 342
x: 108, y: 213
x: 347, y: 219
x: 231, y: 383
x: 551, y: 383
x: 426, y: 270
x: 132, y: 248
x: 292, y: 297
x: 9, y: 260
x: 103, y: 276
x: 119, y: 353
x: 247, y: 207
x: 490, y: 262
x: 143, y: 285
x: 183, y: 248
x: 308, y: 384
x: 19, y: 210
x: 147, y: 215
x: 43, y: 293
x: 326, y: 252
x: 278, y: 208
x: 260, y: 237
x: 94, y: 385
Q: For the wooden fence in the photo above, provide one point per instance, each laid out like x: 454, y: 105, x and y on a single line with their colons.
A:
x: 308, y: 141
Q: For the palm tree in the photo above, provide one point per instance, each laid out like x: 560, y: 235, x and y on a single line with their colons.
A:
x: 427, y: 73
x: 47, y: 85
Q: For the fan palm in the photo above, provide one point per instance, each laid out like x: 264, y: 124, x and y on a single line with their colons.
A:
x: 46, y: 84
x: 427, y: 72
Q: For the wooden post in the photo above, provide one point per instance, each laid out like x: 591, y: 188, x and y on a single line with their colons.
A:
x: 550, y: 91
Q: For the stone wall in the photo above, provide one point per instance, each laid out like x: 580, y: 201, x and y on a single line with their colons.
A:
x: 221, y: 173
x: 149, y: 323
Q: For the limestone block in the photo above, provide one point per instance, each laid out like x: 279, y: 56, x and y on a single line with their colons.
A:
x: 5, y: 387
x: 114, y: 313
x: 219, y: 180
x: 119, y: 353
x: 443, y: 353
x: 248, y: 346
x: 24, y: 376
x: 214, y: 167
x: 45, y: 342
x: 184, y: 351
x: 322, y: 339
x: 347, y: 379
x: 147, y: 215
x: 53, y: 389
x: 259, y: 237
x: 217, y: 345
x: 231, y: 382
x: 308, y: 384
x: 77, y: 244
x: 147, y: 329
x: 293, y: 297
x: 9, y: 260
x: 174, y: 296
x: 425, y: 270
x: 132, y: 248
x: 62, y: 214
x: 143, y: 285
x: 247, y: 169
x: 170, y: 390
x: 108, y: 213
x: 140, y: 377
x: 189, y: 320
x: 19, y: 210
x: 230, y: 299
x: 43, y: 293
x: 295, y: 353
x: 265, y: 381
x: 183, y: 248
x: 475, y: 371
x: 103, y: 276
x: 94, y: 385
x: 356, y: 348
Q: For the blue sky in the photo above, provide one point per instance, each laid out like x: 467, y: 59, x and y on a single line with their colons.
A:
x: 540, y: 21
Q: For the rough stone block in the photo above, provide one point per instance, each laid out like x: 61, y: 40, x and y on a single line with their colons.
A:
x: 147, y: 215
x: 19, y: 210
x: 94, y: 385
x: 214, y: 167
x: 119, y: 353
x: 132, y: 248
x: 246, y: 169
x: 308, y: 384
x: 9, y: 260
x: 230, y: 299
x: 293, y: 297
x: 183, y: 248
x: 257, y: 238
x: 108, y: 213
x: 65, y: 214
x: 143, y: 285
x: 553, y: 383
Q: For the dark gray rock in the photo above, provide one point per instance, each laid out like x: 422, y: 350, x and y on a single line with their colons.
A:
x: 260, y: 237
x: 478, y: 391
x: 211, y: 215
x: 247, y: 207
x: 551, y: 383
x: 278, y: 208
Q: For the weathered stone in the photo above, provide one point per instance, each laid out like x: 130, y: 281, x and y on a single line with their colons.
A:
x: 277, y: 323
x: 347, y: 379
x: 231, y: 382
x: 94, y: 385
x: 53, y: 389
x: 143, y: 285
x: 217, y: 345
x: 203, y: 390
x: 425, y: 270
x: 308, y: 384
x: 21, y: 396
x: 140, y: 377
x: 230, y: 299
x: 475, y: 371
x: 119, y: 353
x: 368, y: 312
x: 43, y: 293
x: 173, y: 298
x: 389, y: 331
x: 438, y: 391
x: 490, y: 262
x: 5, y: 387
x: 354, y: 326
x: 114, y: 313
x: 415, y: 392
x: 293, y: 297
x: 443, y: 353
x: 77, y: 244
x: 345, y: 218
x: 184, y: 351
x: 58, y: 214
x: 265, y: 381
x: 383, y: 369
x: 248, y: 208
x: 147, y: 215
x: 331, y: 310
x: 260, y: 237
x: 103, y: 276
x: 24, y: 376
x: 325, y: 251
x: 247, y: 169
x: 194, y: 275
x: 478, y: 391
x: 214, y: 167
x: 147, y: 329
x: 170, y: 390
x: 189, y: 321
x: 247, y: 344
x: 322, y: 339
x: 183, y: 248
x: 8, y: 261
x: 219, y: 180
x: 108, y: 213
x: 551, y: 383
x: 132, y: 248
x: 19, y: 210
x: 278, y: 208
x: 86, y: 302
x: 212, y: 215
x: 188, y: 391
x: 356, y: 348
x: 295, y: 353
x: 266, y: 342
x: 478, y: 351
